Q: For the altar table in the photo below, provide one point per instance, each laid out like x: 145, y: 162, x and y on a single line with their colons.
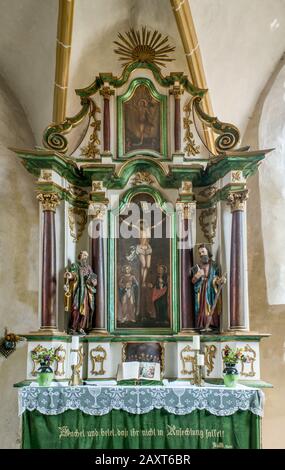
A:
x: 140, y: 417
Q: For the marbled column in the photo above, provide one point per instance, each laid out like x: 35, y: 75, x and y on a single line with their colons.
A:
x: 97, y: 213
x: 106, y: 92
x: 177, y: 91
x: 186, y: 212
x: 49, y: 201
x: 238, y: 291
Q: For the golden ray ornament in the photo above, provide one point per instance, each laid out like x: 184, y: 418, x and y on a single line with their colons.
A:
x: 143, y: 46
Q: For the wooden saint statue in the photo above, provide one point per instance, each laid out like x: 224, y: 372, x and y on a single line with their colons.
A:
x: 80, y: 289
x: 208, y: 283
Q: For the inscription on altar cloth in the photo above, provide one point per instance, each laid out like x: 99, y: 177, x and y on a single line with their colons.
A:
x: 169, y: 431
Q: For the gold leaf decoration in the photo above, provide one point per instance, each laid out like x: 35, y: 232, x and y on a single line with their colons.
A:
x: 91, y: 150
x: 190, y: 145
x: 143, y: 46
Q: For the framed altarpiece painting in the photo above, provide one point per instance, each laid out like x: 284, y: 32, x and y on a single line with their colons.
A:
x: 142, y: 120
x: 143, y: 294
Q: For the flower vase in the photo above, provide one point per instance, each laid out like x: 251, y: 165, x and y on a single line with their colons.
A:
x: 45, y: 376
x: 231, y: 375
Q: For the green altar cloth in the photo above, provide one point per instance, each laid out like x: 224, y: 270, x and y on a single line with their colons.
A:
x: 140, y: 417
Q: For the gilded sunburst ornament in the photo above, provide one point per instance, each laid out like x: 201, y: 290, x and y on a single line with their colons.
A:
x: 143, y: 46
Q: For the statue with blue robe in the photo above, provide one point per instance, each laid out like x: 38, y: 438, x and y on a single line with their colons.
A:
x: 207, y: 281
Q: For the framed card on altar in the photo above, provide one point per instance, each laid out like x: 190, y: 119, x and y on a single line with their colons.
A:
x: 143, y: 294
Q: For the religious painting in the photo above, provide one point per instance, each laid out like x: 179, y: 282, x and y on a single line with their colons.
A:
x: 143, y: 352
x: 143, y: 267
x: 142, y: 120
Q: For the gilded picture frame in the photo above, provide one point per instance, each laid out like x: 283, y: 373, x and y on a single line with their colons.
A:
x: 138, y: 304
x: 142, y: 120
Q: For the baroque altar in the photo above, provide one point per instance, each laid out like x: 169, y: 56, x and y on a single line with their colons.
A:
x: 143, y: 227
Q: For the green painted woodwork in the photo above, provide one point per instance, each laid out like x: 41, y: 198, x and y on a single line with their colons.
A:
x: 229, y: 134
x: 157, y: 337
x: 162, y: 99
x: 54, y: 135
x: 118, y: 82
x: 159, y: 199
x: 171, y: 177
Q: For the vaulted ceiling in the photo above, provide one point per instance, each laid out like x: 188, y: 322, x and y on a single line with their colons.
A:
x: 241, y: 42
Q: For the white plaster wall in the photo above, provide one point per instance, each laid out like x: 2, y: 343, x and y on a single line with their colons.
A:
x: 18, y: 255
x: 27, y: 59
x: 240, y: 42
x: 272, y: 191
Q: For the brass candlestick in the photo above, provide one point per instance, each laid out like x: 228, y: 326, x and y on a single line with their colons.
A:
x: 75, y: 378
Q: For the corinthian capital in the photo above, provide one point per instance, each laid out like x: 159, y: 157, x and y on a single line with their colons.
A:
x: 49, y: 201
x: 237, y: 199
x: 97, y: 210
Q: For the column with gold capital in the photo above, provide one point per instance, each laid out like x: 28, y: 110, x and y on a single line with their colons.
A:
x: 238, y: 263
x: 97, y: 212
x: 177, y: 91
x: 186, y: 212
x: 106, y: 92
x: 49, y: 201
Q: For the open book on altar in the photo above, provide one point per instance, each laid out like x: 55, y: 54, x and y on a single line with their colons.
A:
x: 139, y: 371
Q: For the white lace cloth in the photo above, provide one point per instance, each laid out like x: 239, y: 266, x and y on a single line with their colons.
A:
x: 100, y: 400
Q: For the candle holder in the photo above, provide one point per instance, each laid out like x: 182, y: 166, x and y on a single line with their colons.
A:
x: 75, y: 378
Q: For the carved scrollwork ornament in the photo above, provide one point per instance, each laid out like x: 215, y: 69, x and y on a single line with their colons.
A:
x: 247, y: 367
x: 49, y: 201
x: 208, y: 223
x: 210, y: 354
x: 229, y: 134
x: 142, y: 178
x: 187, y: 360
x: 77, y: 219
x: 207, y: 193
x: 60, y: 353
x: 91, y: 150
x: 237, y: 200
x: 98, y: 356
x: 190, y: 145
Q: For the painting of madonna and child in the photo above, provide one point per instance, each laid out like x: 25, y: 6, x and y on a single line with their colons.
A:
x: 143, y: 284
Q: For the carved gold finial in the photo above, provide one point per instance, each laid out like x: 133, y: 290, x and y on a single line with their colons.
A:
x: 237, y: 200
x: 49, y: 201
x: 143, y: 46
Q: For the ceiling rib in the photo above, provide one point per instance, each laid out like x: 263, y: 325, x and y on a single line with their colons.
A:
x: 186, y: 28
x: 63, y: 50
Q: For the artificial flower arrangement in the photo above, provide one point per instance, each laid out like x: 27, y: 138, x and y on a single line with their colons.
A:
x: 233, y: 355
x: 46, y: 357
